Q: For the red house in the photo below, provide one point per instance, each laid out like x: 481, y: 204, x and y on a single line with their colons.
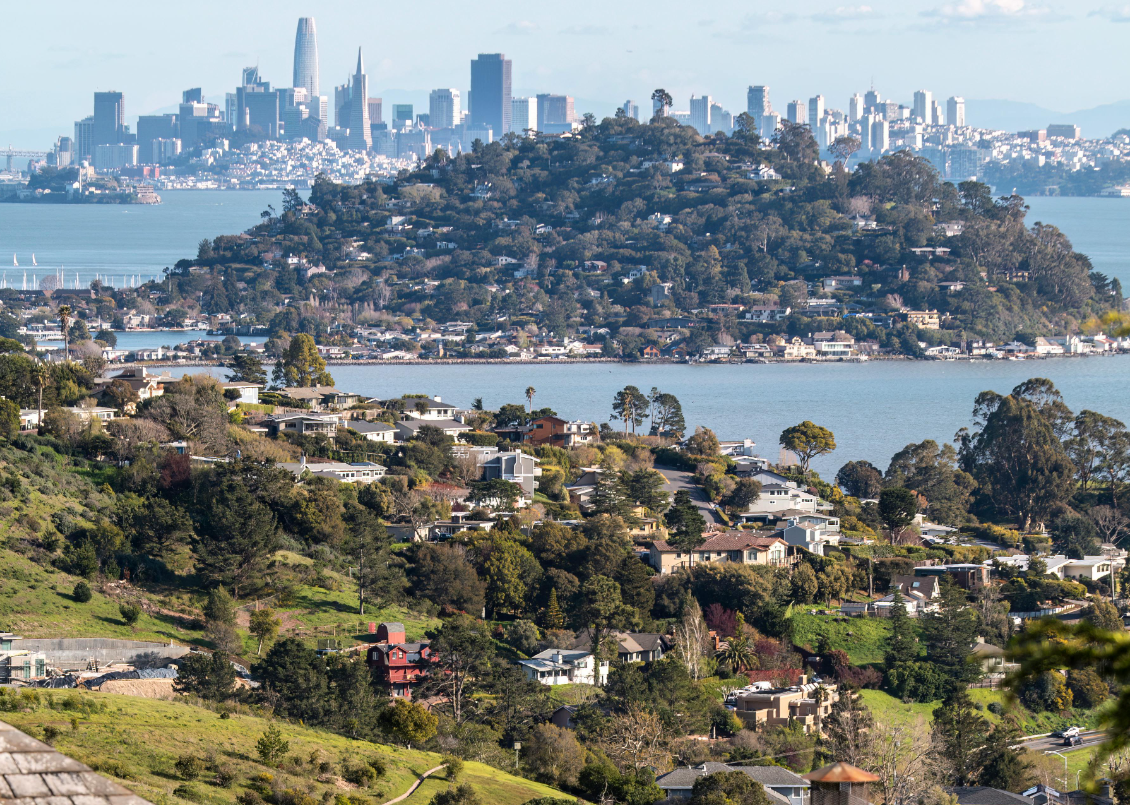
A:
x: 396, y: 662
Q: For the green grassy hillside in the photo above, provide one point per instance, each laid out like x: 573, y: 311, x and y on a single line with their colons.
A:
x: 889, y: 710
x: 138, y: 742
x: 864, y: 639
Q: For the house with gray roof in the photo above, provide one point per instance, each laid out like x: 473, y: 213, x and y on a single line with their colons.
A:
x: 372, y: 431
x: 781, y: 785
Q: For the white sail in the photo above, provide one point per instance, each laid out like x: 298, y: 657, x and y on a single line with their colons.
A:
x: 14, y: 261
x: 33, y: 259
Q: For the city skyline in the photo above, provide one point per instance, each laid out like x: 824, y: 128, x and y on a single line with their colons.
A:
x: 623, y: 57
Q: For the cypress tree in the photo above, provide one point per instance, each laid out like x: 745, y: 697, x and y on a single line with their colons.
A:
x: 554, y: 619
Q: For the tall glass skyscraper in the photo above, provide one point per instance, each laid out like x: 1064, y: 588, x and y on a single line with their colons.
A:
x: 490, y: 89
x: 109, y: 117
x: 306, y: 57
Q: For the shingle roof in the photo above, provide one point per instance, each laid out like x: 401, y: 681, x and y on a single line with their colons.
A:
x: 728, y: 541
x: 840, y: 773
x: 32, y: 771
x: 768, y: 776
x: 983, y: 795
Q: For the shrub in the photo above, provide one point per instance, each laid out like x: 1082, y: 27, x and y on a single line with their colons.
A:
x: 185, y: 791
x: 916, y: 681
x: 51, y: 734
x: 249, y: 797
x: 1087, y: 687
x: 82, y: 592
x: 996, y: 708
x: 189, y: 767
x: 271, y: 746
x: 454, y: 768
x: 379, y: 766
x: 360, y: 774
x: 114, y: 768
x: 130, y: 613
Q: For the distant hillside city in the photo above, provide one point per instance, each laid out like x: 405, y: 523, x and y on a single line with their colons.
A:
x: 268, y: 136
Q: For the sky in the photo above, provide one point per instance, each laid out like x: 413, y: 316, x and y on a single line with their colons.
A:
x: 1063, y: 55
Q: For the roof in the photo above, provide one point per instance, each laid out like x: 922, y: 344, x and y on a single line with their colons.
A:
x: 443, y: 424
x: 728, y: 541
x: 840, y: 773
x: 983, y: 795
x: 33, y: 771
x: 365, y: 426
x: 768, y: 776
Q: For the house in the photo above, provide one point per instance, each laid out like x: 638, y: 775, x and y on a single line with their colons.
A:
x: 651, y: 352
x: 777, y: 498
x: 395, y: 662
x: 806, y: 704
x: 514, y: 466
x: 967, y: 577
x: 992, y: 659
x: 243, y: 393
x: 747, y: 548
x: 659, y: 293
x: 372, y: 431
x: 556, y: 666
x: 322, y: 398
x: 635, y: 647
x: 302, y: 425
x: 841, y: 283
x: 431, y: 408
x: 812, y: 538
x: 361, y: 472
x: 146, y: 385
x: 763, y: 314
x: 921, y: 588
x: 923, y: 319
x: 1092, y: 568
x: 983, y: 795
x: 86, y: 415
x: 558, y: 432
x: 408, y: 428
x: 795, y: 350
x: 782, y: 786
x: 582, y: 489
x: 839, y: 784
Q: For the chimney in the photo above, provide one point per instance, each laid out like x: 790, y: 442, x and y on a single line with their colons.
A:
x: 557, y: 658
x: 302, y: 462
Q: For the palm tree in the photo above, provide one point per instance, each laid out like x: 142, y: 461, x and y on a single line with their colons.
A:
x: 40, y: 377
x: 738, y: 653
x: 530, y: 392
x: 65, y: 321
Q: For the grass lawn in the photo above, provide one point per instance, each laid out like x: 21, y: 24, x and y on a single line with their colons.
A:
x: 137, y: 741
x: 888, y: 710
x: 864, y: 639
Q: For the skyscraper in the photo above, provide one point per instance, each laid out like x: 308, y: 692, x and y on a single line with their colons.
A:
x: 524, y: 114
x: 700, y: 114
x: 880, y: 135
x: 443, y: 108
x: 555, y: 113
x: 376, y: 106
x: 342, y: 98
x: 871, y: 99
x: 631, y: 109
x: 855, y: 107
x: 922, y: 108
x: 306, y: 57
x: 360, y: 137
x: 490, y: 86
x: 796, y: 112
x: 815, y: 110
x: 84, y: 139
x: 757, y: 103
x: 109, y: 117
x: 936, y: 113
x: 955, y: 111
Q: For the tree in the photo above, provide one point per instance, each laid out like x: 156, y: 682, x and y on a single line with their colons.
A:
x: 844, y: 146
x: 1104, y: 615
x: 193, y: 409
x: 804, y: 584
x: 897, y: 509
x: 745, y: 493
x: 1000, y: 764
x: 611, y: 495
x: 849, y: 730
x: 235, y: 537
x: 666, y: 415
x: 508, y: 573
x: 630, y: 407
x: 530, y: 392
x: 246, y: 368
x: 703, y: 443
x: 209, y: 676
x: 902, y: 646
x: 1075, y: 536
x: 796, y: 142
x: 860, y: 479
x: 807, y: 441
x: 645, y: 487
x: 554, y: 755
x: 462, y: 794
x: 691, y: 636
x: 685, y: 524
x: 662, y: 101
x: 949, y: 633
x: 65, y: 317
x: 554, y: 619
x: 600, y: 610
x: 409, y: 722
x: 443, y: 575
x: 121, y: 395
x: 728, y: 788
x: 130, y: 613
x: 81, y: 592
x: 272, y: 746
x: 738, y: 653
x: 959, y: 732
x: 265, y: 626
x: 1014, y: 453
x: 463, y: 649
x: 302, y: 365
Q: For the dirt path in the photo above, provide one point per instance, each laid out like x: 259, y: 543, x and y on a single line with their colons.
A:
x: 415, y: 785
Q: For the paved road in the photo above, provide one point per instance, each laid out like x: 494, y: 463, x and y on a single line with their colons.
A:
x: 675, y: 480
x: 1049, y: 744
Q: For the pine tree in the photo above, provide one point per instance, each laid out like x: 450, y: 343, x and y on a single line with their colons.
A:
x: 554, y: 619
x: 902, y: 645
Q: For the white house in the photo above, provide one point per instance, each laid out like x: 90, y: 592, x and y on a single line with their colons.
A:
x: 372, y: 431
x: 361, y: 472
x: 557, y: 666
x: 248, y: 392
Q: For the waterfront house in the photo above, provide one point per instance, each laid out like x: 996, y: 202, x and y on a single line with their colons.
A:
x: 302, y: 425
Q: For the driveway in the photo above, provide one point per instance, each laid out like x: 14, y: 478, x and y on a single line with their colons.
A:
x: 676, y: 480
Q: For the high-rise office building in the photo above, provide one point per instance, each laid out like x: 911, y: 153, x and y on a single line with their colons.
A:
x: 109, y: 117
x: 63, y: 154
x: 796, y: 112
x: 955, y: 111
x: 443, y: 108
x: 360, y: 136
x: 156, y: 127
x: 343, y: 94
x: 880, y: 135
x: 721, y: 120
x: 871, y: 99
x: 306, y: 57
x: 524, y: 114
x: 555, y: 113
x: 84, y: 139
x: 631, y: 109
x: 402, y: 115
x: 194, y: 95
x: 936, y: 113
x: 922, y: 106
x: 769, y: 125
x: 490, y: 86
x: 700, y: 114
x: 855, y: 107
x: 757, y: 103
x: 376, y: 114
x: 250, y: 75
x: 815, y: 110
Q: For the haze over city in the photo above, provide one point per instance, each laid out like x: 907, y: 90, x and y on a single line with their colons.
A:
x: 1060, y: 56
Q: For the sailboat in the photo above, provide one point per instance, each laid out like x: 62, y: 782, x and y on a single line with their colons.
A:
x: 14, y: 261
x: 33, y: 259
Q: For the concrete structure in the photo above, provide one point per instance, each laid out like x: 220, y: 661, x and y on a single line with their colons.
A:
x: 807, y: 704
x: 81, y: 653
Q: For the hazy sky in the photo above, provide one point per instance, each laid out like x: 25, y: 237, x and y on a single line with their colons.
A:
x: 1061, y: 54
